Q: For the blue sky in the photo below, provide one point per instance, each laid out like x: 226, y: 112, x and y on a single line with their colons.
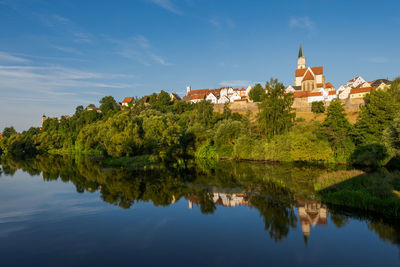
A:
x: 55, y: 55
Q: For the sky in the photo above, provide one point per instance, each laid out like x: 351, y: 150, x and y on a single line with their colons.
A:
x: 58, y: 54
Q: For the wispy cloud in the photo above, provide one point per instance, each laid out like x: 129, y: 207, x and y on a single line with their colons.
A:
x: 167, y: 5
x: 139, y: 49
x: 378, y: 60
x: 304, y: 23
x: 9, y: 58
x: 237, y: 83
x: 69, y: 50
x: 220, y: 23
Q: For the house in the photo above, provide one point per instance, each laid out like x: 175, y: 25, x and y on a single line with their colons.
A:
x: 174, y: 97
x: 223, y: 99
x: 380, y: 84
x: 359, y: 92
x: 234, y: 97
x: 211, y: 97
x: 127, y: 101
x: 93, y: 108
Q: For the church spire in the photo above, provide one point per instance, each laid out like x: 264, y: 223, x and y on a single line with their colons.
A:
x: 301, y: 51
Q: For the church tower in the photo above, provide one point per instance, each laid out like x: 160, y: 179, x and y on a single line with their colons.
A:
x: 301, y: 60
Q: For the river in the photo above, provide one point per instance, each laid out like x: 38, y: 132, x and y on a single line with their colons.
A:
x: 69, y: 212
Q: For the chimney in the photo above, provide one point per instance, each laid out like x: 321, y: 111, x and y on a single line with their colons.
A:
x: 188, y: 88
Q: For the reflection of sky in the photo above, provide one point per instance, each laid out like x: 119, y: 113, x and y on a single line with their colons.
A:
x: 49, y: 222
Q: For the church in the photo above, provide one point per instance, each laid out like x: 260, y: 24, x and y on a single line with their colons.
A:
x: 308, y: 79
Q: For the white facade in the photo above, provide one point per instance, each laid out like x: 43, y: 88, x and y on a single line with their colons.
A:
x: 234, y: 97
x: 223, y: 99
x: 211, y: 97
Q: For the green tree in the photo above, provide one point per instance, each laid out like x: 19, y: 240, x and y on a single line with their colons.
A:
x: 318, y: 107
x: 394, y: 89
x: 203, y: 112
x: 375, y: 116
x: 276, y: 115
x: 392, y: 134
x: 227, y: 113
x: 108, y: 104
x: 8, y: 131
x: 337, y: 129
x: 257, y: 93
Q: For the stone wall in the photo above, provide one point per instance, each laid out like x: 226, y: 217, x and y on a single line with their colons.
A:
x: 300, y: 104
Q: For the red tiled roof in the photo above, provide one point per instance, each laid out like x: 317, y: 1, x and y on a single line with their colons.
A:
x: 127, y: 100
x: 200, y: 91
x: 316, y: 70
x: 332, y: 92
x: 360, y: 90
x: 308, y: 76
x: 198, y: 96
x: 301, y: 94
x: 315, y: 94
x: 328, y: 85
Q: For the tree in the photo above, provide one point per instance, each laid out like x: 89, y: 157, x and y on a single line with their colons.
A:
x: 108, y: 104
x: 375, y: 116
x: 276, y: 115
x: 227, y: 113
x: 79, y: 110
x: 8, y: 131
x: 394, y: 89
x: 392, y: 134
x: 318, y: 107
x: 337, y: 129
x: 257, y: 93
x: 203, y: 112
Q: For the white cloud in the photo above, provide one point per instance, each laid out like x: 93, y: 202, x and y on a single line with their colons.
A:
x: 167, y: 5
x: 302, y: 23
x: 8, y: 58
x: 139, y: 49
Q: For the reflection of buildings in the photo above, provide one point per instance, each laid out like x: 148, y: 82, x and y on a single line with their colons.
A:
x: 223, y: 199
x: 311, y: 213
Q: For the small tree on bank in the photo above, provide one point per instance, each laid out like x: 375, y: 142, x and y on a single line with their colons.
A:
x: 257, y: 93
x: 276, y: 114
x: 318, y: 107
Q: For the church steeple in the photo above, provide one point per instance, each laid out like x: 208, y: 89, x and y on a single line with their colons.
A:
x: 301, y: 51
x: 301, y: 60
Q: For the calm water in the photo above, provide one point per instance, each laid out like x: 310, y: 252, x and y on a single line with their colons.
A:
x: 56, y: 212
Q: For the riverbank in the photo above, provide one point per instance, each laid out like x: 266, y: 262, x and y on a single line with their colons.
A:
x: 377, y: 192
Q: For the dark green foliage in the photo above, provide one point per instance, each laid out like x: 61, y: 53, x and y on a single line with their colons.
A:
x: 370, y: 155
x: 318, y: 107
x: 377, y: 114
x: 276, y: 115
x: 394, y: 89
x: 337, y: 129
x: 108, y: 105
x: 8, y: 131
x: 203, y: 112
x: 257, y: 93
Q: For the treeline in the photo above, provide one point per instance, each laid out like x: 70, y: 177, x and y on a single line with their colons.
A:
x: 156, y: 125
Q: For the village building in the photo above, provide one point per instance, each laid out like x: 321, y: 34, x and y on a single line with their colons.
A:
x: 217, y: 96
x: 93, y: 108
x: 380, y: 84
x: 174, y: 97
x: 127, y: 101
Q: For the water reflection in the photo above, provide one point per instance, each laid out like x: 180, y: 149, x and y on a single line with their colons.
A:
x: 283, y: 195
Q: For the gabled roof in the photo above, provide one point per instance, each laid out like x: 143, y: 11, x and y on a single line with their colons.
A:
x: 200, y: 91
x: 333, y: 92
x: 360, y: 90
x: 378, y: 82
x: 198, y: 96
x: 127, y: 100
x: 328, y: 85
x: 315, y: 94
x: 308, y: 76
x: 316, y: 70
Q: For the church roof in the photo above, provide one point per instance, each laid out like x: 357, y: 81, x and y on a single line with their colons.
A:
x: 308, y: 76
x: 316, y: 70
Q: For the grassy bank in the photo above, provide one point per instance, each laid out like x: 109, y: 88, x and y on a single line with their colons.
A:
x: 376, y: 192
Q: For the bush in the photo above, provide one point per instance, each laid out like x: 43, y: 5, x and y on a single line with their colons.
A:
x: 318, y: 107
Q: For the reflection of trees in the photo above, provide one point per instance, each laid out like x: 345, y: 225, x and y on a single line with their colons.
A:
x: 271, y: 189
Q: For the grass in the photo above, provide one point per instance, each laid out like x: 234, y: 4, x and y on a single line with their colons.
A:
x: 376, y: 192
